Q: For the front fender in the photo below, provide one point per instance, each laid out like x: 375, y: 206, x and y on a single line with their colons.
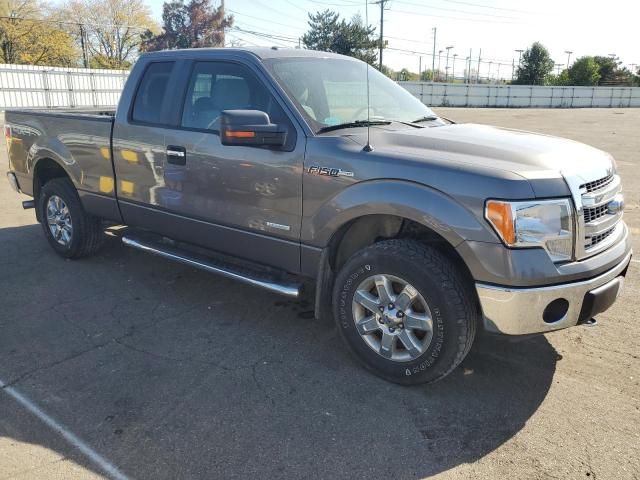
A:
x: 414, y: 201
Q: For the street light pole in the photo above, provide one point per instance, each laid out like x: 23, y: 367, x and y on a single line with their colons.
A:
x: 568, y: 52
x: 453, y: 69
x: 439, y: 57
x: 446, y: 68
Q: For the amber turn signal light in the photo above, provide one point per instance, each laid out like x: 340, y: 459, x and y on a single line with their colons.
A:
x: 500, y: 216
x: 239, y: 134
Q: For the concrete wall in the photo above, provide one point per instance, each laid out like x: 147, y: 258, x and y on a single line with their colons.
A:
x: 464, y: 95
x: 28, y: 86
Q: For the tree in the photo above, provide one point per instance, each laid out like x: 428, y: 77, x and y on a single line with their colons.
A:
x: 29, y: 35
x: 584, y: 71
x: 535, y: 67
x: 194, y: 25
x: 328, y: 33
x: 111, y: 29
x: 611, y: 72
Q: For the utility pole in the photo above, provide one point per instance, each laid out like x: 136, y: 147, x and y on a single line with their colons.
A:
x: 558, y: 65
x: 433, y: 57
x: 439, y: 56
x: 489, y: 73
x: 420, y: 69
x: 469, y: 68
x: 83, y: 47
x: 568, y: 52
x: 446, y: 68
x: 479, y: 60
x: 513, y: 68
x: 222, y: 10
x: 382, y: 4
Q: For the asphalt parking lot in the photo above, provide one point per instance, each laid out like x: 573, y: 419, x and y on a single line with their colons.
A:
x: 167, y: 372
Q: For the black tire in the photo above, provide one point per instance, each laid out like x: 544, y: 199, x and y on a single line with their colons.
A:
x: 450, y: 298
x: 87, y: 232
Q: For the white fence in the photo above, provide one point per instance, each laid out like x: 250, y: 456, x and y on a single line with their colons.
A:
x: 476, y: 95
x: 28, y: 86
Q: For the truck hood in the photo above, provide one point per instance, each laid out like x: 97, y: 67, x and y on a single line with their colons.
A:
x: 530, y: 155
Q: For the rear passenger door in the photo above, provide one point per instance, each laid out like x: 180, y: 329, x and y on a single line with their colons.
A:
x: 241, y: 200
x: 139, y: 144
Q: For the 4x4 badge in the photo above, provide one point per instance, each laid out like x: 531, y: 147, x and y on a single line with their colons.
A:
x: 329, y: 172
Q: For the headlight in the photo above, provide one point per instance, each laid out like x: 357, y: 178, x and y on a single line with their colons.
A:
x: 535, y: 223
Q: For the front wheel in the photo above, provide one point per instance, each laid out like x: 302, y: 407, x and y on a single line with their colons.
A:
x: 405, y: 311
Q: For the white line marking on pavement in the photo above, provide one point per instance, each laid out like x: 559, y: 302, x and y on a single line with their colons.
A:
x: 72, y: 439
x: 635, y: 261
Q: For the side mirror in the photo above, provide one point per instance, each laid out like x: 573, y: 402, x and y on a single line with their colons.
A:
x: 250, y: 128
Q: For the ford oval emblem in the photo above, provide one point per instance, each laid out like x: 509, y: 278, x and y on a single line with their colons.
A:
x: 616, y: 205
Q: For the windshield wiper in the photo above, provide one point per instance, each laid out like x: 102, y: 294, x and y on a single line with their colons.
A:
x: 357, y: 123
x: 425, y: 119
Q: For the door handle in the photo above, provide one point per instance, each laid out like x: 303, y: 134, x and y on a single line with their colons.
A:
x: 176, y: 155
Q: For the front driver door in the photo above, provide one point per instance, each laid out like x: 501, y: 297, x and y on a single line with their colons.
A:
x: 241, y: 200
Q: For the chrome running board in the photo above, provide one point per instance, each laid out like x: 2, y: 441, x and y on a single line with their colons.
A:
x: 244, y: 275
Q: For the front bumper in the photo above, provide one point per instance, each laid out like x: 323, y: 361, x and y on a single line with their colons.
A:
x: 521, y: 311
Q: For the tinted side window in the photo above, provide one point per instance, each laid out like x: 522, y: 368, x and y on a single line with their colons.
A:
x: 152, y: 93
x: 217, y: 86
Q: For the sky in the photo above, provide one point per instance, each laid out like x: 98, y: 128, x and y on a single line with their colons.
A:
x: 498, y: 27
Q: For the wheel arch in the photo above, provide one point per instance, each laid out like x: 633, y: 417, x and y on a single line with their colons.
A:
x: 366, y: 230
x: 45, y: 169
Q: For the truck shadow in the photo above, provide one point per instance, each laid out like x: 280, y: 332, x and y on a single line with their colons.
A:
x: 172, y: 373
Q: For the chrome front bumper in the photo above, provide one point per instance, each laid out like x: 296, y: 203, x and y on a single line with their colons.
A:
x: 521, y: 311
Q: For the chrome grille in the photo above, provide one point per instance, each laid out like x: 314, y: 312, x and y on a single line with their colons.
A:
x: 596, y: 239
x: 597, y: 184
x: 599, y: 226
x: 591, y: 214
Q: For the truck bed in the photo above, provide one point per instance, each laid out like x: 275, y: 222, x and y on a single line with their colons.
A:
x: 81, y: 139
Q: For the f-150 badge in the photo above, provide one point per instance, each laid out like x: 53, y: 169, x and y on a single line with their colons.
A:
x: 329, y: 172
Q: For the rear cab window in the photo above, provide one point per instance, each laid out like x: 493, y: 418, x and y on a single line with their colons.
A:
x: 152, y: 93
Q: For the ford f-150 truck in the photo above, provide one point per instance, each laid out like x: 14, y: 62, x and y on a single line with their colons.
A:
x: 270, y: 166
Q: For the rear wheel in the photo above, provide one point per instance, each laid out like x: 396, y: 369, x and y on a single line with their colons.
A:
x: 405, y: 311
x: 69, y: 229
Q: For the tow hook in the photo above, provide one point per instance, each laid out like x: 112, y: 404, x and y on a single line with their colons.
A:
x: 592, y: 322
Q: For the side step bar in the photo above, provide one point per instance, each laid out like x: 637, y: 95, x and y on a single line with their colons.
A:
x: 288, y: 289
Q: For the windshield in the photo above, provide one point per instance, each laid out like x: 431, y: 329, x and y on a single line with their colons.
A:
x: 333, y: 91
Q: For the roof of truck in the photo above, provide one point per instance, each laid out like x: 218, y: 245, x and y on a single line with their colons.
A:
x: 260, y: 52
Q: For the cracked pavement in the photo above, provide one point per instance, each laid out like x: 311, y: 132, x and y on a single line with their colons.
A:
x: 169, y: 372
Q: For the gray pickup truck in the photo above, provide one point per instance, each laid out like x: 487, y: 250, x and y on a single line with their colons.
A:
x: 272, y: 166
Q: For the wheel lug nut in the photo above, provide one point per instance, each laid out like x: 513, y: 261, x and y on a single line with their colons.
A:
x: 381, y: 308
x: 391, y: 306
x: 400, y: 314
x: 391, y: 329
x: 401, y: 326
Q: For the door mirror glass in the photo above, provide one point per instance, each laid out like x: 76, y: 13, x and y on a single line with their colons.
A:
x: 250, y: 128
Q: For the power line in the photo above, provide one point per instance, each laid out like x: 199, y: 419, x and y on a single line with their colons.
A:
x: 492, y: 7
x: 455, y: 10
